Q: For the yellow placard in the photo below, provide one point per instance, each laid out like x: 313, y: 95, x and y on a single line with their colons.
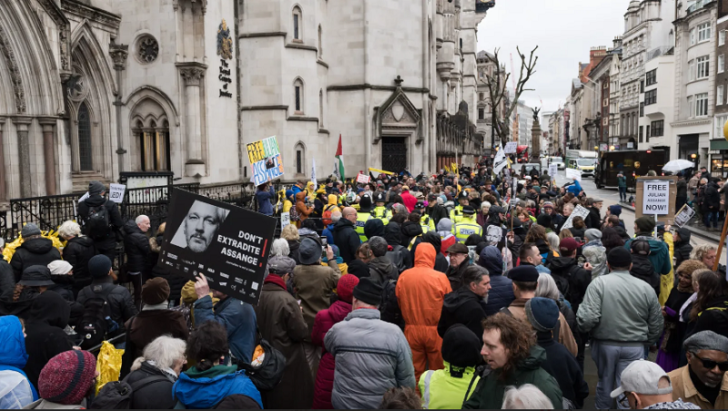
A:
x: 376, y: 170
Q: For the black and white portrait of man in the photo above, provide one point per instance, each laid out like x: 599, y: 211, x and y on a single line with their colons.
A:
x: 199, y: 227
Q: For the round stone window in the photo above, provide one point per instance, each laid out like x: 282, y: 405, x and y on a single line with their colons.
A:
x: 147, y: 49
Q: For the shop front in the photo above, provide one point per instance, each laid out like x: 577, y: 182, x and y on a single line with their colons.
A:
x: 719, y: 158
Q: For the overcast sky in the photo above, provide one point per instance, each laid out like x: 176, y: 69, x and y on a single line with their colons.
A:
x: 564, y: 31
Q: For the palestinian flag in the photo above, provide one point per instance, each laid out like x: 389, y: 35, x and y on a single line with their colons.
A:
x: 339, y: 162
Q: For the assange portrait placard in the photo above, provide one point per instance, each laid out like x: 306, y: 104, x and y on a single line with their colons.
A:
x: 228, y: 244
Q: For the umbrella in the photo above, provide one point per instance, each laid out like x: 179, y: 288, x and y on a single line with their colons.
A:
x: 677, y: 165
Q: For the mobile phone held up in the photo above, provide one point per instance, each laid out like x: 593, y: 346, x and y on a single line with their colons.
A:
x: 324, y: 243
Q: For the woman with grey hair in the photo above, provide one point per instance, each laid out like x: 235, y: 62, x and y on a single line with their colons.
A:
x: 525, y: 397
x: 547, y: 288
x: 154, y: 374
x: 78, y: 251
x: 280, y: 248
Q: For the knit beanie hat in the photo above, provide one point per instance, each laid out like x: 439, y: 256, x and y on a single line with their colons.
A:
x: 645, y: 224
x: 96, y: 187
x: 593, y: 234
x: 67, y: 377
x: 29, y: 230
x: 542, y: 313
x: 345, y: 287
x: 368, y: 291
x: 615, y: 209
x: 444, y: 224
x: 60, y: 267
x: 544, y: 220
x: 155, y: 291
x: 99, y: 266
x: 461, y: 347
x: 619, y: 257
x: 281, y: 265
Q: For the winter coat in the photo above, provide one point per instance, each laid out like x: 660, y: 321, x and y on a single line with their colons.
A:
x: 399, y: 255
x: 346, y: 238
x: 421, y: 291
x: 683, y: 388
x: 676, y: 333
x: 455, y: 274
x: 294, y: 254
x: 462, y: 306
x: 381, y: 269
x: 443, y: 391
x: 596, y: 255
x: 325, y: 319
x: 238, y: 318
x: 156, y: 395
x: 313, y: 285
x: 121, y: 305
x: 575, y: 188
x: 115, y: 220
x: 329, y: 233
x: 176, y: 281
x: 518, y: 310
x: 578, y: 232
x: 36, y: 251
x: 712, y: 197
x: 281, y: 323
x: 501, y: 291
x: 205, y: 389
x: 563, y: 367
x: 7, y: 285
x: 409, y: 200
x: 488, y: 394
x: 45, y: 337
x: 17, y: 391
x: 620, y: 308
x: 571, y: 279
x: 714, y: 318
x: 642, y: 269
x: 411, y: 231
x: 145, y: 327
x: 659, y: 254
x: 136, y: 247
x: 264, y: 197
x: 682, y: 188
x: 594, y: 219
x: 78, y: 251
x: 303, y: 210
x: 683, y: 247
x: 437, y: 213
x: 371, y: 356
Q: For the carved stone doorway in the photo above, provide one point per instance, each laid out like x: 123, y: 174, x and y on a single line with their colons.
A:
x: 394, y: 154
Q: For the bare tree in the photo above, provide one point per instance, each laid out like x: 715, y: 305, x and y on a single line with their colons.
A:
x: 497, y: 84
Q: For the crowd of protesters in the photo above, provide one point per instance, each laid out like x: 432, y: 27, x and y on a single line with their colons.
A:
x: 470, y: 290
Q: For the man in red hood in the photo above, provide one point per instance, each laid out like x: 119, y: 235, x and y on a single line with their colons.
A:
x: 420, y: 292
x: 408, y: 199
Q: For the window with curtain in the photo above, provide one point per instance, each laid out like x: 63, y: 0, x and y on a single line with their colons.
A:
x: 85, y: 153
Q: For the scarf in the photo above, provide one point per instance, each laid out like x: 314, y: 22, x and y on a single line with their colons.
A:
x: 169, y: 373
x: 690, y: 300
x: 275, y: 279
x: 160, y: 306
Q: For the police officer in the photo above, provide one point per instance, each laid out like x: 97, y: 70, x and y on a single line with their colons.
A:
x: 457, y: 213
x: 467, y: 225
x: 380, y: 211
x: 363, y: 215
x: 426, y: 222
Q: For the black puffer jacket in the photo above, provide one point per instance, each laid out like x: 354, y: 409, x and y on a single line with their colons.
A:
x: 7, y: 285
x: 642, y: 268
x: 712, y: 197
x: 136, y: 246
x: 594, y: 219
x: 78, y: 252
x: 346, y: 238
x: 35, y: 251
x: 154, y: 395
x: 455, y: 274
x: 462, y: 306
x: 121, y: 305
x: 115, y: 220
x: 571, y: 279
x: 683, y: 247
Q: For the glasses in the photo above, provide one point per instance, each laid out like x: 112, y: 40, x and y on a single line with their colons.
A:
x: 710, y: 364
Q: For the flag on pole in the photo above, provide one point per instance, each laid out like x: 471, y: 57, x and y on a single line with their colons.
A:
x: 313, y: 175
x: 339, y: 162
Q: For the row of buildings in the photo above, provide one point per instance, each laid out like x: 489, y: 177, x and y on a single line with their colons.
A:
x: 661, y: 86
x: 93, y: 88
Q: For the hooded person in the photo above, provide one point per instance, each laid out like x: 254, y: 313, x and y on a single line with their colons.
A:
x: 399, y: 255
x: 15, y: 390
x: 420, y: 293
x: 105, y: 237
x: 325, y: 319
x: 446, y: 389
x: 501, y: 291
x: 444, y: 230
x: 381, y: 268
x: 302, y: 209
x: 441, y: 263
x: 683, y: 248
x: 571, y: 279
x: 66, y: 381
x: 45, y: 335
x: 659, y: 252
x: 35, y: 250
x: 594, y: 252
x: 374, y: 227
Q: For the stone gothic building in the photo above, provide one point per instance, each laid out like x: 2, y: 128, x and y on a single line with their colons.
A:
x: 92, y: 88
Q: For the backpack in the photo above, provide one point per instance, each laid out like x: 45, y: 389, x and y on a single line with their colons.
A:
x: 96, y: 320
x: 269, y: 373
x: 97, y: 224
x: 562, y: 283
x: 326, y: 217
x: 389, y: 309
x: 117, y: 395
x: 293, y: 214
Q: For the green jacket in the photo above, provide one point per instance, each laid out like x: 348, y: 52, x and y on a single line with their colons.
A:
x: 622, y: 182
x: 442, y: 391
x: 490, y: 390
x: 634, y: 312
x: 659, y: 254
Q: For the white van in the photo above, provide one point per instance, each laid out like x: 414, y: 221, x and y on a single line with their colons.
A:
x: 559, y: 161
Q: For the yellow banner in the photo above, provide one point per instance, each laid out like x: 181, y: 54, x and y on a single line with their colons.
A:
x: 455, y: 168
x: 381, y: 171
x: 447, y: 169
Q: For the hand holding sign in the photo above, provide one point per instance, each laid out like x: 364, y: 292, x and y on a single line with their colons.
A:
x: 202, y: 288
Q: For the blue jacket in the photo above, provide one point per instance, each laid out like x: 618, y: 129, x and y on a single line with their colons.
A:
x: 501, y: 292
x: 264, y: 197
x: 329, y: 234
x: 205, y: 389
x: 575, y: 188
x: 13, y: 357
x: 237, y: 317
x: 659, y: 254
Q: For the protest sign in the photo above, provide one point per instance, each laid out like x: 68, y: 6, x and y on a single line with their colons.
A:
x: 285, y: 219
x: 511, y: 147
x: 573, y: 173
x: 265, y: 160
x: 83, y: 197
x: 656, y: 197
x: 313, y: 175
x: 500, y: 161
x: 362, y: 178
x: 116, y: 193
x: 578, y: 211
x: 553, y: 170
x: 228, y: 244
x: 684, y: 215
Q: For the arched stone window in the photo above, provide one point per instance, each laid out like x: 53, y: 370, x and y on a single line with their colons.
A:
x: 321, y: 108
x: 298, y: 96
x: 151, y: 146
x: 300, y: 158
x: 297, y: 24
x: 85, y: 152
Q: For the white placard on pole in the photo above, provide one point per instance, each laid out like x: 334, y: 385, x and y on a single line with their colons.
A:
x: 573, y: 173
x: 116, y: 193
x: 511, y: 147
x: 500, y: 161
x: 579, y: 211
x: 285, y: 219
x: 656, y: 197
x: 313, y: 175
x: 553, y: 169
x: 362, y: 178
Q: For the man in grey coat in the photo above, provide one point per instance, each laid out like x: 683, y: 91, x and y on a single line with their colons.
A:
x: 371, y: 355
x: 624, y: 317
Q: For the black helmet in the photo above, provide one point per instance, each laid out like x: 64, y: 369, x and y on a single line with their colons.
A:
x: 420, y: 205
x: 463, y: 195
x: 380, y: 198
